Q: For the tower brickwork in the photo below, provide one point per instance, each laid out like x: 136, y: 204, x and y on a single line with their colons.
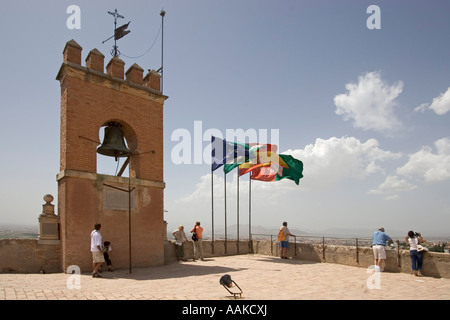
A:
x: 90, y: 99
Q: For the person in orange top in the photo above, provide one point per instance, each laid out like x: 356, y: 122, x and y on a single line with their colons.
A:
x: 198, y: 248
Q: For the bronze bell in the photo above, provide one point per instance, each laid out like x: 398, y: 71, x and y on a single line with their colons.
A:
x: 114, y: 143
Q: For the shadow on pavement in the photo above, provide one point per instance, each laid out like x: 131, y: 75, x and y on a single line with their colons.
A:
x: 285, y: 261
x: 172, y: 270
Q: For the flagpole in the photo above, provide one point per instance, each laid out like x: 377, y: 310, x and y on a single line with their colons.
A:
x: 212, y: 195
x: 212, y: 210
x: 250, y: 212
x: 237, y: 243
x: 162, y: 14
x: 225, y: 197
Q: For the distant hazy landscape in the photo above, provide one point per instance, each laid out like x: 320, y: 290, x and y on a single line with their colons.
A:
x: 27, y: 232
x: 261, y: 232
x: 18, y: 232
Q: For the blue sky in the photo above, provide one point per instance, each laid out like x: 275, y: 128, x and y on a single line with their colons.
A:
x: 366, y: 110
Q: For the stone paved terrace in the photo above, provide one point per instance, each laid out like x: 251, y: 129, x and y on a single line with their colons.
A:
x: 260, y: 277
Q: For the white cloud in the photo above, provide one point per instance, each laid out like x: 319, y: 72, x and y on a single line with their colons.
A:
x: 391, y: 186
x: 370, y: 103
x: 425, y: 164
x: 197, y: 204
x: 326, y: 164
x: 328, y: 161
x: 440, y: 105
x: 392, y: 197
x: 422, y: 108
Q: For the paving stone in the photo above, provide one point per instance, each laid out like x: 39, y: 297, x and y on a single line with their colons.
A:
x: 260, y: 277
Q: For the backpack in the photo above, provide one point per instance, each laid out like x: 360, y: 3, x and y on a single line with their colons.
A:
x: 281, y: 236
x: 194, y: 234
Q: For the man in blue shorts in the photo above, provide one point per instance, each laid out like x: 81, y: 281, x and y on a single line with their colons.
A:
x: 284, y: 244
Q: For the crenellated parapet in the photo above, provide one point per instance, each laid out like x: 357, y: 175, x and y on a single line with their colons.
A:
x: 115, y: 69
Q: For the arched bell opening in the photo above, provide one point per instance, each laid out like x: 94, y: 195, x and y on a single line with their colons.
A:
x: 118, y: 142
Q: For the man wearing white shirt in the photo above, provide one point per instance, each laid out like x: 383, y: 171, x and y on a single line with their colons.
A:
x: 97, y: 250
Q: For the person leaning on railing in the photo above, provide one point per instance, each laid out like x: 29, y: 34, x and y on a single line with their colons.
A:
x: 414, y: 239
x: 379, y: 240
x: 284, y: 243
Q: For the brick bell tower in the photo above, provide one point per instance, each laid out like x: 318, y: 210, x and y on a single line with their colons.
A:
x: 90, y: 100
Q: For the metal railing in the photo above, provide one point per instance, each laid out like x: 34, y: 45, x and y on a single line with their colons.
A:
x: 324, y: 241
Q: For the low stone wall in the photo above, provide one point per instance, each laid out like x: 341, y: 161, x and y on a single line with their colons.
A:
x: 29, y: 256
x: 434, y: 264
x: 34, y: 256
x: 221, y: 248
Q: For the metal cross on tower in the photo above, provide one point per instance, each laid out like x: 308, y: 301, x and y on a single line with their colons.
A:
x: 118, y: 32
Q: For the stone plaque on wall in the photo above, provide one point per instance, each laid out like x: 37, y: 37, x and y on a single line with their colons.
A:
x: 49, y: 229
x: 114, y: 199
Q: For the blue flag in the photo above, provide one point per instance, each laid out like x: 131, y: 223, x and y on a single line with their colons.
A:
x: 227, y: 153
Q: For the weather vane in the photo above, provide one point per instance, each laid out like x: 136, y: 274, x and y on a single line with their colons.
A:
x: 118, y: 32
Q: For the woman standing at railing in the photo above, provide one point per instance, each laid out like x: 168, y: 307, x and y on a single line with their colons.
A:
x: 414, y: 238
